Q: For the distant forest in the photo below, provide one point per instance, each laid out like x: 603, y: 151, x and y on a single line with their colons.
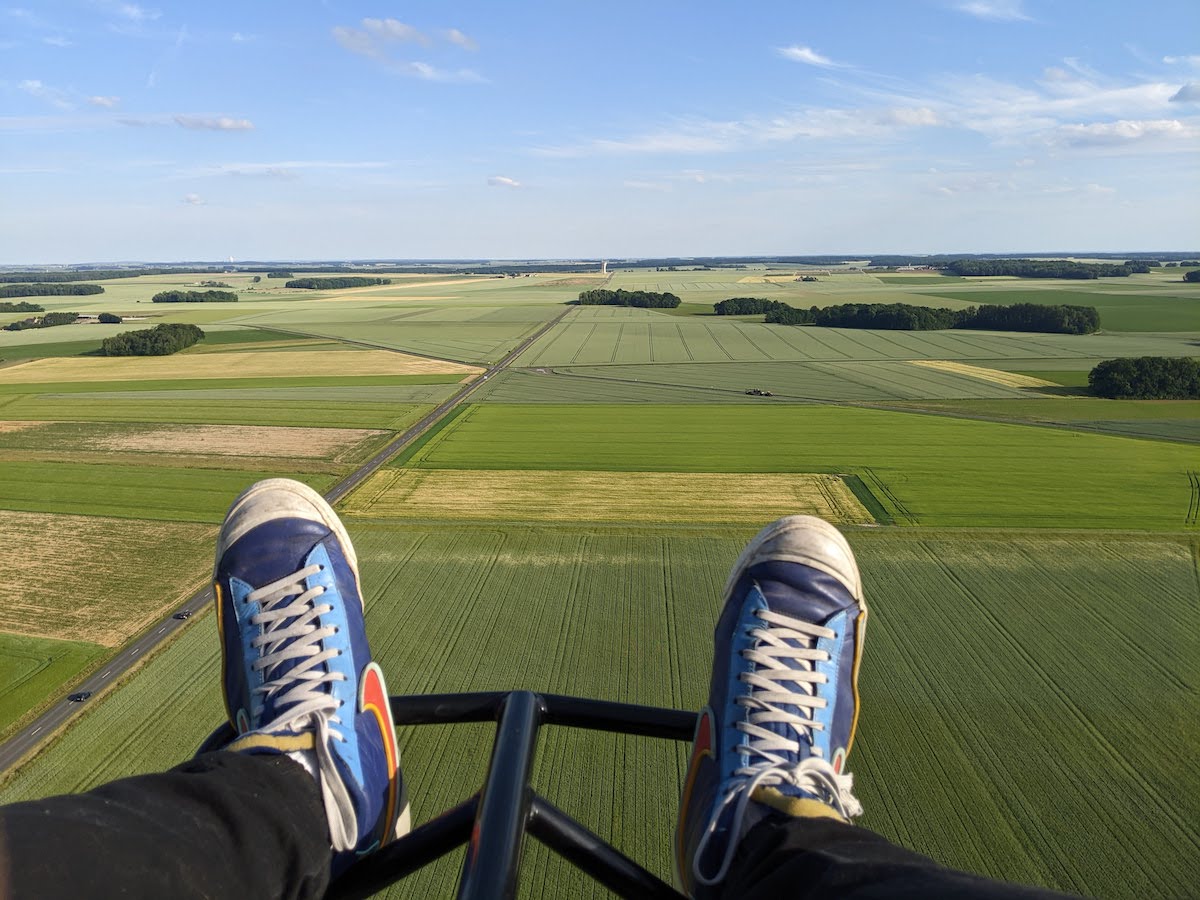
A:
x: 195, y: 297
x: 161, y: 340
x: 49, y: 320
x: 1147, y: 378
x: 48, y: 290
x: 94, y: 274
x: 328, y: 284
x: 1061, y: 319
x: 640, y: 299
x: 21, y: 307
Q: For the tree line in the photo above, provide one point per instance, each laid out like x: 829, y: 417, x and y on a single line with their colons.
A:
x: 280, y: 273
x: 161, y: 340
x: 195, y: 297
x: 747, y: 306
x: 1060, y: 319
x: 1042, y: 268
x: 326, y: 284
x: 49, y: 290
x: 49, y: 320
x: 94, y: 274
x: 21, y: 307
x: 619, y: 297
x: 1147, y: 378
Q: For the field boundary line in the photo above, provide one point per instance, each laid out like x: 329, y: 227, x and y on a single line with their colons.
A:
x: 1193, y: 513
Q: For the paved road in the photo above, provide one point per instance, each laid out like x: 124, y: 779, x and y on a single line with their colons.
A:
x: 28, y: 739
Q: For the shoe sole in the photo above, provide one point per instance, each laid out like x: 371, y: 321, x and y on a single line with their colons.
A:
x: 806, y: 540
x: 282, y: 498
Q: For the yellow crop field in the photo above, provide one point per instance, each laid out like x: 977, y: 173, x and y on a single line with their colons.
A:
x: 96, y: 579
x: 232, y: 440
x: 1008, y: 379
x: 602, y: 496
x: 252, y: 364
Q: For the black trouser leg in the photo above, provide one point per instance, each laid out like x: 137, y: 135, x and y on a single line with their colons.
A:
x: 223, y: 825
x: 792, y: 857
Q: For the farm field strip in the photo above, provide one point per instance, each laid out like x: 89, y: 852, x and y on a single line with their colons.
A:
x: 943, y: 718
x: 129, y: 492
x: 979, y: 476
x: 642, y: 497
x: 666, y: 339
x: 248, y: 364
x: 95, y: 579
x: 166, y: 408
x: 1008, y: 379
x: 150, y: 385
x: 221, y: 440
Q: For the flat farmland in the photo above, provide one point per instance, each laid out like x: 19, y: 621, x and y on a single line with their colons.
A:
x: 640, y: 497
x: 96, y: 579
x: 923, y: 469
x: 948, y: 725
x: 32, y: 669
x: 660, y: 338
x: 129, y: 491
x: 880, y: 380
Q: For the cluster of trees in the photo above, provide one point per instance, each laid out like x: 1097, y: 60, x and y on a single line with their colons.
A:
x: 49, y: 320
x: 1060, y: 319
x: 109, y: 319
x: 21, y: 307
x: 747, y: 306
x: 49, y: 290
x: 1147, y: 378
x: 214, y: 284
x: 640, y: 299
x: 1193, y: 276
x: 161, y: 340
x: 194, y: 297
x: 327, y: 284
x: 280, y: 273
x: 1040, y: 268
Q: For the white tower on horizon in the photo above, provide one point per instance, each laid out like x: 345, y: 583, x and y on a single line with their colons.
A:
x: 604, y: 267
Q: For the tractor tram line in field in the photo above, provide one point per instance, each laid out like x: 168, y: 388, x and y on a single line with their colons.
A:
x: 45, y: 726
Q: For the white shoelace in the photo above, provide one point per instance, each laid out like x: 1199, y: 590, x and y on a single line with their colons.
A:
x: 779, y: 641
x: 298, y: 693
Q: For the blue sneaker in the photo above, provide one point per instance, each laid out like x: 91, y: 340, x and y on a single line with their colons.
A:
x: 298, y: 674
x: 783, y: 702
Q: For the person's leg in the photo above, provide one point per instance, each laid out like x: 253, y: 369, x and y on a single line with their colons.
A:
x: 767, y: 802
x: 223, y: 825
x: 309, y: 781
x: 803, y: 856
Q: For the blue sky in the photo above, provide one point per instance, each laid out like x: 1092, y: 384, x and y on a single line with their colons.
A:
x: 166, y: 131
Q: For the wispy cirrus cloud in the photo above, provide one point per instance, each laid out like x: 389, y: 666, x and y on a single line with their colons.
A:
x: 290, y: 168
x: 213, y: 123
x: 503, y: 181
x: 42, y: 91
x: 995, y: 10
x: 1126, y: 132
x: 381, y: 39
x: 456, y: 37
x: 806, y: 55
x: 105, y: 102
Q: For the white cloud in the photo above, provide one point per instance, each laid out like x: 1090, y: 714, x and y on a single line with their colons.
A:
x: 995, y: 10
x: 284, y: 169
x: 394, y: 30
x: 503, y: 181
x: 1182, y: 60
x: 427, y: 72
x: 213, y: 123
x: 1189, y: 93
x: 1125, y: 132
x: 58, y: 41
x: 238, y: 38
x: 806, y: 55
x: 134, y: 13
x: 456, y: 37
x: 51, y: 95
x: 106, y: 102
x: 193, y: 199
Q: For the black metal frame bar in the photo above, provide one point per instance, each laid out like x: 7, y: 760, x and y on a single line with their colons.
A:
x: 493, y: 822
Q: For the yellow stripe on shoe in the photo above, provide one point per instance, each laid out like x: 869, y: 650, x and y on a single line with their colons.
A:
x: 801, y: 807
x: 283, y: 743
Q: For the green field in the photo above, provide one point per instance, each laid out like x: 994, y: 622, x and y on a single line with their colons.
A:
x: 927, y: 470
x: 133, y: 492
x: 33, y: 669
x: 946, y: 726
x: 1178, y: 310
